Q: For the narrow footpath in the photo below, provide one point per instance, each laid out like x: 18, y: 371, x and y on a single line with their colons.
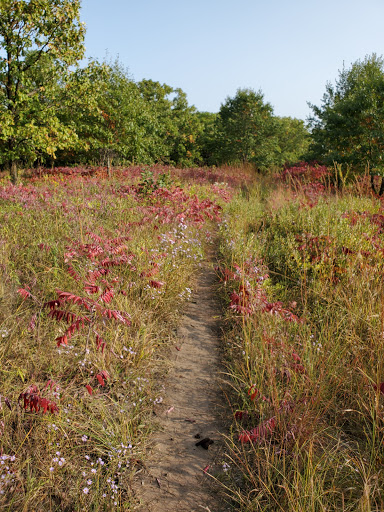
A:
x: 175, y: 476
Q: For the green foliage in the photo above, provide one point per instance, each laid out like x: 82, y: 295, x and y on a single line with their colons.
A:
x: 125, y: 121
x: 52, y: 111
x: 246, y: 130
x: 149, y: 183
x: 112, y: 125
x: 186, y: 127
x: 172, y: 125
x: 206, y: 138
x: 293, y: 140
x: 40, y: 40
x: 349, y: 125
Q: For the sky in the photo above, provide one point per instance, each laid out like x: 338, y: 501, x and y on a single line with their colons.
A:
x: 288, y: 49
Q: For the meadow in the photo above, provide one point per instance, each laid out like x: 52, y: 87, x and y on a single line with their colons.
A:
x: 95, y: 272
x: 302, y: 270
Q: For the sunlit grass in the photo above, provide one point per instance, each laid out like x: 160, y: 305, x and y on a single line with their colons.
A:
x: 318, y: 378
x: 108, y: 247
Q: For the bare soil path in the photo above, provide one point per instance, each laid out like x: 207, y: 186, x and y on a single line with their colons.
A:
x: 192, y: 410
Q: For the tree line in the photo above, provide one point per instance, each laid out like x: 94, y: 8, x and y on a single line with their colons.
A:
x: 52, y: 111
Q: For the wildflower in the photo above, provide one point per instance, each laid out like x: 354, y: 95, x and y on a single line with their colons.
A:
x: 85, y: 490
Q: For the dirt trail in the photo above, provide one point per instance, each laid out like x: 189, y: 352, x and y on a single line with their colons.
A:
x: 174, y: 479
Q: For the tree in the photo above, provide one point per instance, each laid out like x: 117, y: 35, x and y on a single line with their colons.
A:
x: 39, y: 41
x: 124, y: 121
x: 206, y: 137
x: 246, y: 130
x: 186, y: 126
x: 293, y: 139
x: 349, y: 125
x: 172, y: 127
x: 109, y: 125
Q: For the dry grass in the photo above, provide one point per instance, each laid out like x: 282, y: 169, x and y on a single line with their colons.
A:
x: 305, y: 351
x: 109, y: 247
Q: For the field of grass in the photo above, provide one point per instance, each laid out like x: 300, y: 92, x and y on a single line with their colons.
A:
x: 93, y: 275
x: 302, y: 275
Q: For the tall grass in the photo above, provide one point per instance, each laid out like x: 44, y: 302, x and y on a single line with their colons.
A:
x: 305, y: 349
x: 89, y: 299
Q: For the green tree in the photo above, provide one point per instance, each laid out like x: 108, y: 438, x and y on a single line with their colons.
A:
x: 111, y: 124
x: 124, y: 121
x: 186, y: 127
x: 293, y: 139
x: 246, y: 130
x: 349, y: 125
x: 158, y: 125
x: 206, y: 137
x: 39, y: 41
x: 172, y: 127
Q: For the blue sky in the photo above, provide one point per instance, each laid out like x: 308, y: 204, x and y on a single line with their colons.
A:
x: 289, y: 49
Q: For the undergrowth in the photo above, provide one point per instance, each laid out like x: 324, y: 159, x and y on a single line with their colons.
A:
x: 94, y: 273
x: 302, y: 277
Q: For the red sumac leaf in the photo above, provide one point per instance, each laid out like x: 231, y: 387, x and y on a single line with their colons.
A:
x: 72, y: 272
x: 91, y: 288
x: 99, y: 342
x: 381, y: 387
x: 299, y: 368
x: 105, y: 374
x: 52, y: 304
x: 8, y: 403
x: 253, y: 392
x: 24, y: 293
x: 89, y: 389
x: 239, y: 415
x: 296, y: 357
x: 62, y: 340
x: 100, y: 379
x: 156, y: 284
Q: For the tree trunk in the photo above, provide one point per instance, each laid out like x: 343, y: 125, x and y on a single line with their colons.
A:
x: 381, y: 191
x: 14, y: 172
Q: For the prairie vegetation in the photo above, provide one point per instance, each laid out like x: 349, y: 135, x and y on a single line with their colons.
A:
x: 301, y: 268
x: 94, y: 273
